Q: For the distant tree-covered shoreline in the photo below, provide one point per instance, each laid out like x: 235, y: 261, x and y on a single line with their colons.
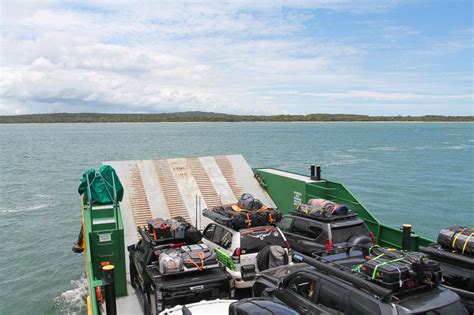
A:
x: 218, y: 117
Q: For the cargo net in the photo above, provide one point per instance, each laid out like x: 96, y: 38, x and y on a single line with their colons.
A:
x: 399, y: 271
x: 247, y: 212
x: 175, y: 246
x: 457, y: 239
x: 322, y: 208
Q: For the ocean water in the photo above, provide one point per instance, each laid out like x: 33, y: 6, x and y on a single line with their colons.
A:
x: 419, y: 173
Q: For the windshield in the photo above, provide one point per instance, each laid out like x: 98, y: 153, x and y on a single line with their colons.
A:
x: 341, y: 234
x: 254, y: 239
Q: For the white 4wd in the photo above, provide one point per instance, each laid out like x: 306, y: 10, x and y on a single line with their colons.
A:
x: 244, y: 252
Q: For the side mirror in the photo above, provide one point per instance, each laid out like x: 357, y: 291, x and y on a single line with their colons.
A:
x: 131, y: 247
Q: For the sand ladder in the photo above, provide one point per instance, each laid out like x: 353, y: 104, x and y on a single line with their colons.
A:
x: 138, y: 199
x: 208, y: 192
x: 228, y: 171
x: 170, y: 190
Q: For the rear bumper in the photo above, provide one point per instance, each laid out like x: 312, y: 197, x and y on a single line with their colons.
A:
x: 239, y: 283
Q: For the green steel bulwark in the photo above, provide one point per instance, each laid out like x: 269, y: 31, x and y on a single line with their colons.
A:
x: 104, y: 240
x: 288, y: 189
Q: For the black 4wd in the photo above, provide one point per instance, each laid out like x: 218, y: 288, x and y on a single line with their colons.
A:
x: 310, y: 234
x: 324, y: 287
x: 182, y: 283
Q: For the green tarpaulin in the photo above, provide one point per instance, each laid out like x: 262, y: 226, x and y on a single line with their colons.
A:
x: 101, y: 185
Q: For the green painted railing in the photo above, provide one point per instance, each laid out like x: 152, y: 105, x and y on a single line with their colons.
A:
x: 288, y: 189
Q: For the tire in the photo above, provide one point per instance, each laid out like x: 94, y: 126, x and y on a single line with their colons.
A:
x: 357, y: 240
x: 262, y: 258
x: 133, y: 274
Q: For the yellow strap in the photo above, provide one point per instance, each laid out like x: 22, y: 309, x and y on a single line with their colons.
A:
x: 465, y: 242
x: 456, y: 238
x: 236, y: 208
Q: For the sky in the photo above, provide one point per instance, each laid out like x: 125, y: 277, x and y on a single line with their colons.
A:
x: 383, y: 57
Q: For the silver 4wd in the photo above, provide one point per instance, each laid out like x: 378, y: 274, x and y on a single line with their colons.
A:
x: 245, y: 252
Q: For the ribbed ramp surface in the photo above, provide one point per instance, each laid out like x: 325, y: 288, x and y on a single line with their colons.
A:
x: 169, y: 187
x: 138, y: 199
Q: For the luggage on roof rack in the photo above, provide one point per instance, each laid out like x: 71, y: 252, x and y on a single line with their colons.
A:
x: 237, y: 218
x: 457, y: 238
x: 398, y: 270
x: 197, y: 257
x: 322, y: 208
x: 176, y: 228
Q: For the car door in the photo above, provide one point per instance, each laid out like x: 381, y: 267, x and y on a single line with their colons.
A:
x: 300, y: 292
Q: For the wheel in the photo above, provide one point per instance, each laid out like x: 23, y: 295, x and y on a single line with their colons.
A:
x: 356, y: 241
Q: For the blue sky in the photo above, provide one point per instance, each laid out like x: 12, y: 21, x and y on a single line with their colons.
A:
x: 270, y: 57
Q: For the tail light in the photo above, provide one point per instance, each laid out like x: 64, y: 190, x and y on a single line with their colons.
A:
x: 372, y: 238
x: 236, y: 256
x: 288, y: 245
x: 236, y: 252
x: 328, y: 247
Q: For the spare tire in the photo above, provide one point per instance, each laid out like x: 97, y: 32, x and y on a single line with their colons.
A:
x: 264, y: 256
x: 356, y: 241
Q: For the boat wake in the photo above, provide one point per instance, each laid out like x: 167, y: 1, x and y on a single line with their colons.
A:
x: 73, y: 301
x: 23, y: 209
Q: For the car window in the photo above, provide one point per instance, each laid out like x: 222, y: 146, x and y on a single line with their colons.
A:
x: 226, y: 241
x: 217, y: 237
x: 254, y: 239
x: 344, y: 233
x: 304, y: 286
x: 313, y: 230
x: 285, y: 224
x: 299, y: 227
x: 361, y: 305
x: 332, y: 296
x: 209, y: 231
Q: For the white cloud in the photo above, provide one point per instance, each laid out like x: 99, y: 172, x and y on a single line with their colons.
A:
x: 164, y: 56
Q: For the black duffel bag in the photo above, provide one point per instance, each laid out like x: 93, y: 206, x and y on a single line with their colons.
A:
x: 458, y: 238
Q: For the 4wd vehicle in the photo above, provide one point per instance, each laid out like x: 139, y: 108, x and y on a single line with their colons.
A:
x: 245, y: 252
x: 168, y: 266
x: 327, y: 287
x: 312, y: 230
x: 245, y: 238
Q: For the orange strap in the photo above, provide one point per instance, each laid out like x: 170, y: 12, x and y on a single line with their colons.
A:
x: 456, y: 238
x: 249, y: 221
x: 201, y: 257
x: 270, y: 218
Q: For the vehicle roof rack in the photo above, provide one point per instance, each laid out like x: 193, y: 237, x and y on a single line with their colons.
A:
x: 331, y: 218
x: 353, y: 279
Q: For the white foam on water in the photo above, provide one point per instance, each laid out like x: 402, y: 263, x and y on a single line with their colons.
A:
x: 386, y: 149
x: 348, y: 162
x: 458, y: 147
x: 73, y: 301
x: 23, y: 209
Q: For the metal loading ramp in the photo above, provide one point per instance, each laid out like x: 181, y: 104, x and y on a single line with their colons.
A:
x: 171, y: 187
